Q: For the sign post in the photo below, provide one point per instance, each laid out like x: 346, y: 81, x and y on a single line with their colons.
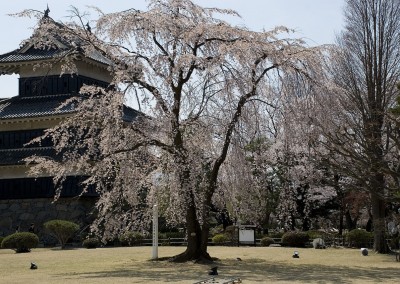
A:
x: 247, y: 235
x: 155, y: 232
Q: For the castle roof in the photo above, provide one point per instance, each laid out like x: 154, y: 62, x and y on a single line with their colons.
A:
x: 31, y: 107
x: 47, y: 106
x: 32, y: 101
x: 59, y: 47
x: 32, y: 54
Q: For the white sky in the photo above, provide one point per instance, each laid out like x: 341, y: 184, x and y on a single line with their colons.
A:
x: 318, y: 21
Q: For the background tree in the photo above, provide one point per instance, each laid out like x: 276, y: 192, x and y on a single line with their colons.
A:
x: 274, y: 169
x: 249, y: 186
x: 365, y: 70
x: 193, y: 75
x: 305, y: 191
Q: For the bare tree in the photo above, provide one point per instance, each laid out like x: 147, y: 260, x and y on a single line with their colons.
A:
x: 364, y: 72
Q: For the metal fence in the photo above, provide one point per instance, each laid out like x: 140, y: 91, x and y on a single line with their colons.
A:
x: 337, y: 241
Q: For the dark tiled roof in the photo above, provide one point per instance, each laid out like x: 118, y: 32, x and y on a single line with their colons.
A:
x: 31, y: 54
x: 63, y: 46
x: 40, y: 106
x: 30, y: 107
x: 16, y: 156
x: 97, y: 56
x: 34, y: 54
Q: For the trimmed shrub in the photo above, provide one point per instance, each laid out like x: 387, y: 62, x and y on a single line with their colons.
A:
x: 359, y: 238
x: 295, y: 239
x: 130, y: 239
x: 62, y: 230
x: 20, y: 242
x: 90, y: 243
x: 220, y: 239
x: 277, y: 235
x: 266, y: 241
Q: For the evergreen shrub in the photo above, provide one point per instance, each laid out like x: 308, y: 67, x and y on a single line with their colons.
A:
x: 130, y: 239
x: 62, y: 230
x: 359, y: 238
x: 220, y: 239
x: 20, y: 242
x: 90, y: 243
x: 276, y: 235
x: 295, y: 239
x: 266, y: 241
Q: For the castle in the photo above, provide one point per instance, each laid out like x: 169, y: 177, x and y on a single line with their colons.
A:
x: 36, y: 107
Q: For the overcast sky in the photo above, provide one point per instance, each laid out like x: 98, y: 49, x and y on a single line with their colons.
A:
x: 318, y: 21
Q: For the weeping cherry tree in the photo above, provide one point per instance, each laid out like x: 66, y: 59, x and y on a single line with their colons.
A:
x: 192, y: 76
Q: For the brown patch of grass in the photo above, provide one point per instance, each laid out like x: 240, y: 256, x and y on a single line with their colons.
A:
x: 257, y: 265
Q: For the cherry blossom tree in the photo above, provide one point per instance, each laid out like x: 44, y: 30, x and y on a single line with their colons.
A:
x: 304, y: 183
x: 249, y: 185
x: 275, y: 167
x: 193, y: 76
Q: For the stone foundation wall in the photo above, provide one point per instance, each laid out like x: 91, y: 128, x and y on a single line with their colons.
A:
x: 23, y: 212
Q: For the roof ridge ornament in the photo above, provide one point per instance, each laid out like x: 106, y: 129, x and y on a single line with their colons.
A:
x: 88, y: 28
x: 46, y: 12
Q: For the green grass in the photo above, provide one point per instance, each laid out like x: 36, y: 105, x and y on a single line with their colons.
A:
x: 257, y: 265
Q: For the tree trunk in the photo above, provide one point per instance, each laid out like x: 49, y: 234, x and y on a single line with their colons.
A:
x: 369, y: 227
x: 306, y: 224
x: 265, y: 223
x: 197, y: 238
x: 378, y: 213
x: 341, y: 221
x: 340, y: 196
x: 350, y: 223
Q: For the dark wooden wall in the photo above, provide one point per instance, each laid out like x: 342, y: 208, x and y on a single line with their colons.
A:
x: 43, y: 187
x: 55, y: 85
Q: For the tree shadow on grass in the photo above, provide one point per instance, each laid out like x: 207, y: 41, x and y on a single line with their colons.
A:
x: 149, y: 271
x: 64, y: 249
x: 255, y: 270
x: 260, y: 271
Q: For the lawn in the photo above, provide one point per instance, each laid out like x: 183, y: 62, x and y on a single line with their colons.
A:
x: 256, y: 265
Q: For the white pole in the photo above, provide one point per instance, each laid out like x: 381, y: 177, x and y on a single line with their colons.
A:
x: 155, y: 232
